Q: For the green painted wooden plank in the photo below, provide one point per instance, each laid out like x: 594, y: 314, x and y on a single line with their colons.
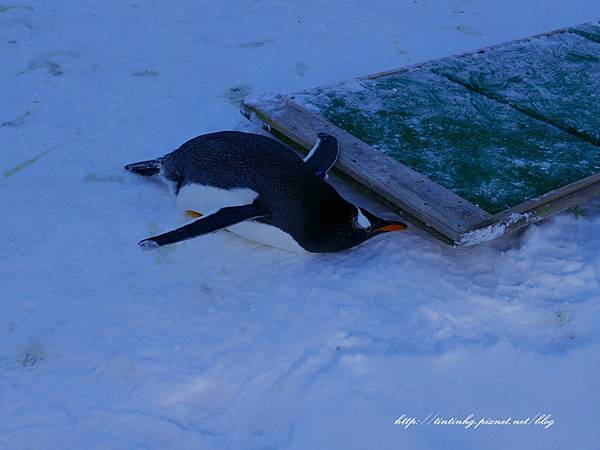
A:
x: 485, y: 151
x: 554, y: 78
x: 588, y: 30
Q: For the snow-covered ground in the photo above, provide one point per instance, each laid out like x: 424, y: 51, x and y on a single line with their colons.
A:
x: 219, y: 343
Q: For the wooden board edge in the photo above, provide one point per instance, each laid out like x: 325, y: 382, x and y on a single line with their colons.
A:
x: 269, y: 113
x: 533, y: 211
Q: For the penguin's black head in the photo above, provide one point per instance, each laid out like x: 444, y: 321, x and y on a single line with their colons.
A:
x: 374, y: 225
x: 327, y: 139
x: 367, y: 225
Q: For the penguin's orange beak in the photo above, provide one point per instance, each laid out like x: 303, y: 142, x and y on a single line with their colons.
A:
x: 194, y: 214
x: 382, y: 225
x: 398, y: 226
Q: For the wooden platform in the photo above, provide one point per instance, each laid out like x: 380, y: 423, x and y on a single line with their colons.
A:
x: 470, y: 146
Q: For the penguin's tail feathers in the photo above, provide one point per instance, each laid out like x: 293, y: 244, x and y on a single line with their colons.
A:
x: 145, y: 168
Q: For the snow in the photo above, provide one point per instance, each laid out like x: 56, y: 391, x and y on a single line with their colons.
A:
x: 219, y: 343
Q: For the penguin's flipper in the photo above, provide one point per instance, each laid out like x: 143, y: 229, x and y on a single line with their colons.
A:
x: 323, y: 155
x: 145, y: 168
x: 223, y: 218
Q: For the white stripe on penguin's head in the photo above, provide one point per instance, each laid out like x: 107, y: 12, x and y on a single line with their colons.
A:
x: 362, y: 220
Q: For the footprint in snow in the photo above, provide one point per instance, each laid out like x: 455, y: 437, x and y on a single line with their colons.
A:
x: 145, y: 73
x: 19, y: 121
x: 49, y: 62
x: 31, y: 354
x: 255, y: 44
x: 5, y: 8
x: 301, y: 68
x: 237, y: 93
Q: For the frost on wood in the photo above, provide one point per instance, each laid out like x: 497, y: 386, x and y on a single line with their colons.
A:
x: 492, y: 231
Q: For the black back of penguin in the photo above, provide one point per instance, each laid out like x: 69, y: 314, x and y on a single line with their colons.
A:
x: 301, y: 203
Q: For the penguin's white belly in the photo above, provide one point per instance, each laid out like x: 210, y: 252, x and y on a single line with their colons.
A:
x: 266, y: 234
x: 208, y: 199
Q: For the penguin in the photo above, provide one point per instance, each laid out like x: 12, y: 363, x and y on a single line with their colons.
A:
x: 258, y: 188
